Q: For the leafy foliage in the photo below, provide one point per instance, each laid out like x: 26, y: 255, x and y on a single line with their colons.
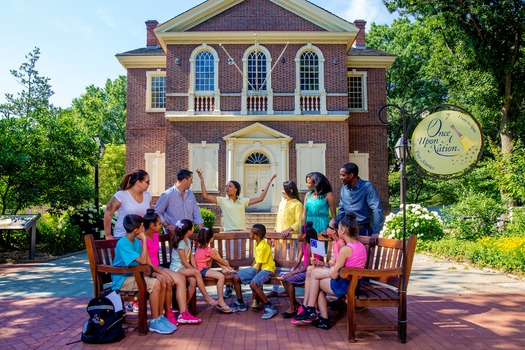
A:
x: 208, y: 217
x: 57, y: 235
x: 112, y: 167
x: 103, y: 110
x: 88, y: 220
x: 475, y: 216
x: 46, y: 158
x: 419, y: 221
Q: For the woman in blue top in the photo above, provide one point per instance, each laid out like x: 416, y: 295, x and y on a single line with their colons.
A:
x: 319, y: 202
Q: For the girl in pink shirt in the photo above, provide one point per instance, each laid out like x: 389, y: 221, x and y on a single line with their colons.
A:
x: 151, y: 231
x: 297, y: 275
x: 204, y: 257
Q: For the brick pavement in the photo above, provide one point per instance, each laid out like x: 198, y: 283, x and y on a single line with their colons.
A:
x: 470, y: 321
x: 466, y: 320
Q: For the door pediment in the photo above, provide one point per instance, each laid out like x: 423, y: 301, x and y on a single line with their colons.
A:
x: 257, y: 131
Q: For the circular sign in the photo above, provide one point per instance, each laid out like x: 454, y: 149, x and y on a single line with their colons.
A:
x: 446, y: 143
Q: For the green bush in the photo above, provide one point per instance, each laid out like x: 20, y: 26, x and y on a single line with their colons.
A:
x: 503, y: 253
x: 474, y: 217
x: 427, y: 226
x: 57, y: 236
x: 516, y: 224
x: 208, y: 217
x: 88, y: 220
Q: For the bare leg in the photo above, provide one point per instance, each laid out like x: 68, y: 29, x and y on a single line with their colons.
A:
x: 316, y: 276
x: 321, y: 299
x: 220, y: 286
x: 258, y: 292
x: 154, y: 300
x: 194, y: 273
x: 180, y: 292
x: 237, y: 286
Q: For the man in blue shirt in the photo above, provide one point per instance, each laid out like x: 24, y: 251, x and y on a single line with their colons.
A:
x: 360, y: 198
x: 179, y: 202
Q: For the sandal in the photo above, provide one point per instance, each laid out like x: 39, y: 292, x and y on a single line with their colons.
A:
x: 225, y: 310
x: 288, y: 314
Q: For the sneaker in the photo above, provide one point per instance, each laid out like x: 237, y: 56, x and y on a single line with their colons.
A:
x: 299, y: 310
x: 186, y: 317
x: 322, y: 323
x: 159, y: 327
x: 228, y: 291
x: 132, y: 306
x: 236, y: 307
x: 269, y: 312
x: 172, y: 319
x: 307, y: 315
x: 168, y: 323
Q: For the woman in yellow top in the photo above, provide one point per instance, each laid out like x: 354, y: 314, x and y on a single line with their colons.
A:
x: 289, y: 218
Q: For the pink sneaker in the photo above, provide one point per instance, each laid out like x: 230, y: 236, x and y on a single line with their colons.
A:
x: 186, y: 317
x: 299, y: 310
x: 172, y: 319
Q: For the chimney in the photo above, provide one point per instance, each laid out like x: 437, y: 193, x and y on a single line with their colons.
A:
x: 360, y: 39
x: 151, y: 39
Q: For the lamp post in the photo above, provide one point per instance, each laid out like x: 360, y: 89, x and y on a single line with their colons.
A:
x: 102, y: 148
x: 400, y: 150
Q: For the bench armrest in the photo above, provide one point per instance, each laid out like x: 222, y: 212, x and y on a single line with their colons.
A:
x: 145, y: 269
x: 347, y: 272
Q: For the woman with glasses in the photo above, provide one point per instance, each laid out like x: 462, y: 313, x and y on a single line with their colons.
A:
x: 131, y: 198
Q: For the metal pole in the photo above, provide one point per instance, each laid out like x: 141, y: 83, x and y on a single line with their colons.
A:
x: 97, y: 206
x: 403, y: 315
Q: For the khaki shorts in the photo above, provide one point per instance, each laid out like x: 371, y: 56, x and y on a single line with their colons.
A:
x: 130, y: 285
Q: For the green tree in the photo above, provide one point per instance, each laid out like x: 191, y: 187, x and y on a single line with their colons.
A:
x: 485, y: 40
x: 46, y: 158
x: 103, y: 110
x: 112, y: 167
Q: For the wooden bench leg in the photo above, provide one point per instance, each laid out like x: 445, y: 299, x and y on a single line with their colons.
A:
x: 143, y: 314
x: 193, y: 304
x: 350, y: 306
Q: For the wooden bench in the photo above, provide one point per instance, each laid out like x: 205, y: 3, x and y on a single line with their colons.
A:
x: 100, y: 255
x: 387, y: 275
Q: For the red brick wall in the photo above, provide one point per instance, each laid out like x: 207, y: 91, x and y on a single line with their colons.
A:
x: 255, y: 15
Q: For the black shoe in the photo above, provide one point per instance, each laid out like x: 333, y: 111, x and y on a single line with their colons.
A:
x: 322, y: 323
x: 308, y: 315
x: 288, y: 314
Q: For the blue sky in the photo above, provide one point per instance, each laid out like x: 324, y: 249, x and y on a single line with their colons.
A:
x: 78, y: 39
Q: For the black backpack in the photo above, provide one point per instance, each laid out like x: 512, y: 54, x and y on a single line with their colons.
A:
x: 104, y: 324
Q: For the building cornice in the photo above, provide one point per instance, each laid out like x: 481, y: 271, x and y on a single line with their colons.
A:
x: 225, y: 117
x: 142, y: 61
x: 370, y: 61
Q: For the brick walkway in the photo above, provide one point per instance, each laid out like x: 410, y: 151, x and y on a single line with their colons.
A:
x: 469, y: 320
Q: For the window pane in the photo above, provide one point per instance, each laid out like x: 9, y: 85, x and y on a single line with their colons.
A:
x: 257, y: 71
x: 158, y: 92
x: 204, y: 74
x: 309, y: 71
x: 355, y: 92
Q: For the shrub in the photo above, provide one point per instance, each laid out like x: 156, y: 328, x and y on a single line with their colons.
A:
x: 57, y: 236
x: 208, y: 217
x: 88, y: 220
x: 474, y: 217
x: 516, y: 224
x: 427, y: 226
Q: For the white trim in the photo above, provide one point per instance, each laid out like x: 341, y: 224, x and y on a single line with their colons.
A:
x: 321, y: 92
x: 156, y: 168
x: 364, y: 89
x: 310, y: 157
x: 206, y: 157
x: 192, y: 93
x: 245, y: 88
x: 149, y: 75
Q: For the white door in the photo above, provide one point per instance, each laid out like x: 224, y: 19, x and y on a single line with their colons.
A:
x: 255, y: 179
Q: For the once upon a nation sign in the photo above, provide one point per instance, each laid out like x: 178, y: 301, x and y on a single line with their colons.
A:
x: 447, y: 143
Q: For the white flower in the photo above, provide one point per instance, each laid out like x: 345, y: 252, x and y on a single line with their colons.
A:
x: 416, y: 224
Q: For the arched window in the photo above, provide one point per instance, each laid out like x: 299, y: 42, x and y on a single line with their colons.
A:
x: 257, y: 71
x: 257, y: 158
x: 309, y: 71
x: 204, y: 71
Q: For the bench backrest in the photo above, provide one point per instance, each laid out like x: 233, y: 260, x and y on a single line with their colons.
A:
x: 388, y: 253
x: 100, y: 252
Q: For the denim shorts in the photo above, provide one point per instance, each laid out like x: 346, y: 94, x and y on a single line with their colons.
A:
x: 203, y: 272
x: 340, y: 286
x: 248, y: 275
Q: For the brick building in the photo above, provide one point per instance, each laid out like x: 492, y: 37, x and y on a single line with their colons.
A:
x: 248, y: 88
